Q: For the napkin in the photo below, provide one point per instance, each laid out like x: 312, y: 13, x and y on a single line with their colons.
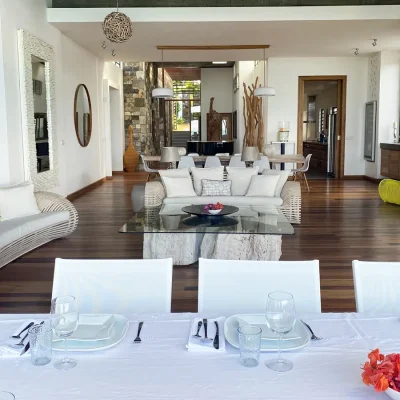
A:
x: 8, y: 352
x: 200, y: 344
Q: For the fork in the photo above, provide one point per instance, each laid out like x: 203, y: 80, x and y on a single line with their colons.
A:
x: 313, y: 337
x: 138, y: 340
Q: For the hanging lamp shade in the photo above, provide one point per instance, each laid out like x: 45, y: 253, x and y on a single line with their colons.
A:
x: 264, y: 91
x: 117, y: 27
x: 162, y: 93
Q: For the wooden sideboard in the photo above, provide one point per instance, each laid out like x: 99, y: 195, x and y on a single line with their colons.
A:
x: 319, y: 159
x: 390, y: 160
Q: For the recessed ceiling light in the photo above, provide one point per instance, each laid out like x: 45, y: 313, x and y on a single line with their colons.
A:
x: 220, y: 62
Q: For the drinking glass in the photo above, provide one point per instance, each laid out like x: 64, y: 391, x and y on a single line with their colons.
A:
x: 64, y: 321
x: 6, y: 396
x: 249, y: 345
x: 281, y: 316
x: 41, y: 340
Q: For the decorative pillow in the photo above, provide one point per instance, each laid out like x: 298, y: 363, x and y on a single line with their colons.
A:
x: 216, y: 188
x: 283, y: 177
x: 263, y: 185
x: 179, y: 187
x: 215, y: 174
x: 17, y: 202
x: 174, y: 173
x: 240, y: 178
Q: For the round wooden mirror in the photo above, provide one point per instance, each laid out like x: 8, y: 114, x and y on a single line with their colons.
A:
x: 83, y: 115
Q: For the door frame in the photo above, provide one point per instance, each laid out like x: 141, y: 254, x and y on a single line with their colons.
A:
x: 341, y: 120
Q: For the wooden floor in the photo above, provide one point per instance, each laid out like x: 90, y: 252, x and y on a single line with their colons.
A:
x: 341, y: 221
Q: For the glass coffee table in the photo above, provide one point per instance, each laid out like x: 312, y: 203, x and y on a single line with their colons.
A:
x: 252, y: 233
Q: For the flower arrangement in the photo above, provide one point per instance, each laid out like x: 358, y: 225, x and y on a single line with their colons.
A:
x: 216, y: 206
x: 382, y: 371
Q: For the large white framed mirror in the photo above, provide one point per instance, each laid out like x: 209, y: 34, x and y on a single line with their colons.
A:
x: 36, y: 65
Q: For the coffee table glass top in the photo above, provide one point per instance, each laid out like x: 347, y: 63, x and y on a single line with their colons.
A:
x: 263, y: 220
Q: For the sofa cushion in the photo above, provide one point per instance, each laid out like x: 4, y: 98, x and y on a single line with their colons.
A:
x: 283, y: 177
x: 174, y: 173
x: 216, y: 188
x: 178, y: 187
x: 226, y: 200
x: 263, y: 185
x: 17, y: 201
x: 240, y: 178
x: 215, y: 174
x: 17, y: 228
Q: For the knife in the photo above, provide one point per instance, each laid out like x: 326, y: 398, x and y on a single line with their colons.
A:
x: 28, y: 345
x: 216, y: 338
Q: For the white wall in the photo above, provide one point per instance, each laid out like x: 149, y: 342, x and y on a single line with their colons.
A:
x: 283, y: 74
x: 117, y: 133
x: 78, y: 167
x: 217, y: 83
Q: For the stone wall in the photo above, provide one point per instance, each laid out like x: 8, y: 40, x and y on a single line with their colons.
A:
x: 144, y: 113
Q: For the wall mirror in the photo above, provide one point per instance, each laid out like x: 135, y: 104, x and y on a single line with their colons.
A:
x: 36, y: 62
x: 83, y: 115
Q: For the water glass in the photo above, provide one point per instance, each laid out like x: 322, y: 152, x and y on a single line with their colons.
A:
x: 41, y: 339
x: 249, y: 345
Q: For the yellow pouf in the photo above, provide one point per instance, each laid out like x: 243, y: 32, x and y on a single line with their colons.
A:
x: 389, y: 190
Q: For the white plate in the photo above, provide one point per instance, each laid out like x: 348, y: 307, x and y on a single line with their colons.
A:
x: 91, y: 327
x: 297, y: 338
x: 117, y: 334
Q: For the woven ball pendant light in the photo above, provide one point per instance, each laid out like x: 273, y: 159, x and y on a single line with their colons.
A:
x: 117, y: 27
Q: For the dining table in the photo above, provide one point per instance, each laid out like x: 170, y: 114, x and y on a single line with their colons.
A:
x: 161, y: 368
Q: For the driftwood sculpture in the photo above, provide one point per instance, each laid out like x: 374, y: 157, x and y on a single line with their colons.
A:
x: 253, y: 118
x: 214, y: 121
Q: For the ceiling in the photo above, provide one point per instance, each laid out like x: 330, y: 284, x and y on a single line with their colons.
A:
x: 286, y: 38
x: 184, y: 74
x: 213, y: 3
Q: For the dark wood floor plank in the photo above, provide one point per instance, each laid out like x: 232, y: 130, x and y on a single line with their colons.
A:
x: 341, y: 221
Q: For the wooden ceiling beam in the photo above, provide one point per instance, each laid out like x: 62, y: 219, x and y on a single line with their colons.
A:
x: 218, y: 47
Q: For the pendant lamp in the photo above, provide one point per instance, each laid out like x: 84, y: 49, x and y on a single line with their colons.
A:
x: 264, y: 91
x: 162, y: 92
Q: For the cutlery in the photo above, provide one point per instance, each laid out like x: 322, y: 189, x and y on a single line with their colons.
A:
x: 198, y: 329
x: 313, y: 337
x: 205, y: 329
x: 23, y: 330
x: 27, y: 347
x: 138, y: 340
x: 216, y: 338
x: 20, y: 344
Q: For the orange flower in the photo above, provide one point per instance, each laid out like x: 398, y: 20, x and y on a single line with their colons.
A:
x: 382, y: 384
x: 374, y: 357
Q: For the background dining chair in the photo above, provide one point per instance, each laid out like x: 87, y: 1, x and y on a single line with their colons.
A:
x: 236, y: 161
x: 301, y: 172
x: 152, y: 172
x: 377, y: 286
x: 115, y: 286
x: 246, y: 284
x: 212, y: 162
x: 186, y: 162
x: 262, y: 163
x: 193, y: 154
x: 222, y: 154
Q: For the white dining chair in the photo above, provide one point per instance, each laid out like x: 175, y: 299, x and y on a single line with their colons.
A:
x: 301, y: 172
x: 228, y: 287
x: 186, y: 162
x: 377, y: 286
x: 262, y: 163
x: 212, y: 162
x: 236, y: 161
x: 222, y: 155
x: 115, y: 286
x: 193, y: 155
x: 152, y: 172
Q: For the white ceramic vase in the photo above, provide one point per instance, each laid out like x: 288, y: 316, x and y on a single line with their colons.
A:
x: 269, y: 150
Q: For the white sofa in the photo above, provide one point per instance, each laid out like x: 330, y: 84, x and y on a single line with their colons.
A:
x: 289, y: 202
x: 58, y: 218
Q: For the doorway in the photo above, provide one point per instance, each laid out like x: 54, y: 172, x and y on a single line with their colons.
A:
x: 321, y: 124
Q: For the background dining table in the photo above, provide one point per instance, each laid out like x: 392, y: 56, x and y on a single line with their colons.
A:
x: 160, y: 368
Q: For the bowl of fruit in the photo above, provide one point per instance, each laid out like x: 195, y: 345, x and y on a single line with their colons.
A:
x: 213, y: 209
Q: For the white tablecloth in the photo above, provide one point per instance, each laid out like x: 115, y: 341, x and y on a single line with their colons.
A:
x: 160, y: 368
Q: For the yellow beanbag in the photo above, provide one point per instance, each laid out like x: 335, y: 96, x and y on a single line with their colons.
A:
x: 389, y: 190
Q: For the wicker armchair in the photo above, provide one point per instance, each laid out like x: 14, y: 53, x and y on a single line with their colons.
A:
x: 46, y: 202
x: 291, y: 196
